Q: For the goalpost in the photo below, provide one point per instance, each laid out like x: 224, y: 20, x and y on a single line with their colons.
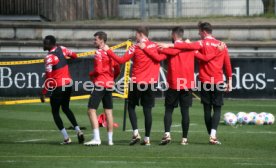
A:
x: 11, y: 64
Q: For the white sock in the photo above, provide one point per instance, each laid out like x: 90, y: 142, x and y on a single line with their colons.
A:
x: 135, y: 132
x: 213, y: 133
x: 77, y: 129
x: 110, y: 135
x: 146, y: 139
x: 64, y: 133
x: 96, y: 134
x: 168, y: 134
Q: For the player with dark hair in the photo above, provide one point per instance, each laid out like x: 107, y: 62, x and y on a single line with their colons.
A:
x: 145, y: 73
x: 180, y: 78
x: 210, y: 75
x: 57, y: 79
x: 105, y: 71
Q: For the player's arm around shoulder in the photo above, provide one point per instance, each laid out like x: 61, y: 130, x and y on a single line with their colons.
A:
x: 169, y: 51
x: 127, y: 56
x: 151, y: 49
x: 188, y: 45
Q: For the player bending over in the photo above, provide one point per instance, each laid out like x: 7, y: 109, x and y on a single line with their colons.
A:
x: 57, y: 79
x: 105, y: 71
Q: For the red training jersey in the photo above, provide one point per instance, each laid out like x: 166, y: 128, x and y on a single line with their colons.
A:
x: 145, y: 69
x: 56, y: 68
x: 180, y: 73
x: 105, y: 70
x: 211, y: 71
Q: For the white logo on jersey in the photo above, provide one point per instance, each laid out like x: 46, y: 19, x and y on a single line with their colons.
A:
x: 49, y: 60
x: 98, y: 55
x: 48, y: 68
x: 200, y: 43
x: 151, y: 46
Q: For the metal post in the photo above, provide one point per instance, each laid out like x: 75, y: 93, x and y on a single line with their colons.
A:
x: 159, y: 8
x: 247, y: 7
x: 143, y: 9
x: 132, y: 4
x: 149, y: 2
x: 179, y: 8
x: 91, y: 9
x: 83, y: 16
x: 274, y: 7
x: 125, y: 113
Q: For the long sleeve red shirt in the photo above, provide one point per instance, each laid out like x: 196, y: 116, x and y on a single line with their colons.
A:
x: 55, y: 77
x: 105, y: 70
x: 180, y: 73
x: 145, y: 69
x: 211, y: 71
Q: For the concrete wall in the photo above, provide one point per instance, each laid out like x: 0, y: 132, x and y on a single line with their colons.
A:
x: 123, y: 32
x: 27, y: 38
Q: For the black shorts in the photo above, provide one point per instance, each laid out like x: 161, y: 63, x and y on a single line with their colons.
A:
x: 211, y: 94
x: 100, y: 94
x: 145, y: 95
x: 61, y: 93
x: 183, y: 97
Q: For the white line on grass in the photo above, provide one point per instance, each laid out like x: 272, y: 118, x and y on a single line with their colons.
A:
x: 255, y: 105
x: 122, y: 162
x: 31, y: 140
x: 142, y: 130
x: 138, y: 157
x: 246, y: 132
x: 179, y: 125
x: 7, y: 161
x: 30, y: 130
x: 256, y: 164
x: 12, y: 161
x: 176, y: 125
x: 262, y: 132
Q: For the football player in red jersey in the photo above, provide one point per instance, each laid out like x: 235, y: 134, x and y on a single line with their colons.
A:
x: 145, y: 72
x: 57, y: 78
x: 105, y: 71
x: 210, y: 75
x: 180, y: 82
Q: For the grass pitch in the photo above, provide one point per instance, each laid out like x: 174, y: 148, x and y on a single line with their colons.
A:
x: 29, y: 139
